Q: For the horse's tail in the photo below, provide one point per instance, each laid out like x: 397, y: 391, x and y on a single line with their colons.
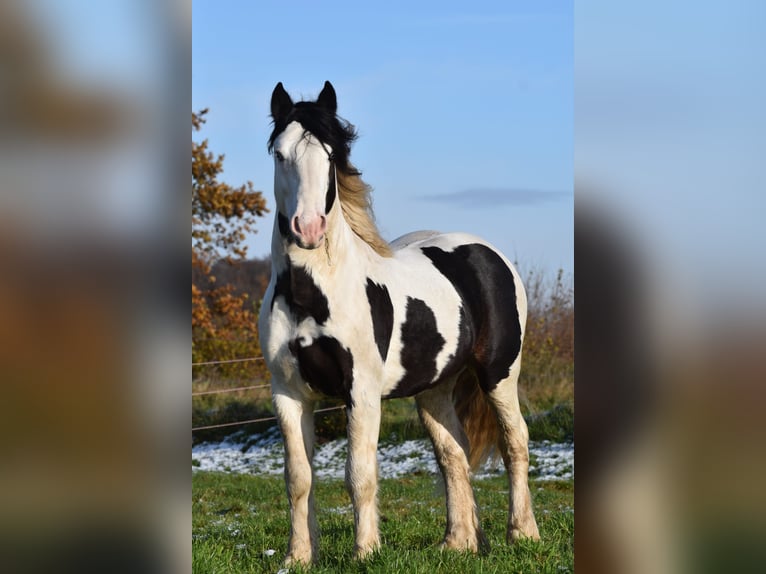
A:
x: 477, y: 416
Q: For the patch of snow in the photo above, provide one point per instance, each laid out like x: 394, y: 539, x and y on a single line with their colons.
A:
x: 261, y: 454
x: 553, y: 461
x: 341, y: 510
x: 330, y: 459
x: 264, y: 455
x: 408, y: 457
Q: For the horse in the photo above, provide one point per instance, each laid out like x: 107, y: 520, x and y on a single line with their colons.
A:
x: 435, y: 316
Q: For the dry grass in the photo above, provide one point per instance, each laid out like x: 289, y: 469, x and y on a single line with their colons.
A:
x: 547, y: 373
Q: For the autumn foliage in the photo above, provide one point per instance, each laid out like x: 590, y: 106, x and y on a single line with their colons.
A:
x: 224, y: 319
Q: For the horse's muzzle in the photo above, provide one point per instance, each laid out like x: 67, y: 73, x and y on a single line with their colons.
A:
x: 309, y: 232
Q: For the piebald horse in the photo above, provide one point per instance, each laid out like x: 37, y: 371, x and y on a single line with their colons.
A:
x: 437, y: 316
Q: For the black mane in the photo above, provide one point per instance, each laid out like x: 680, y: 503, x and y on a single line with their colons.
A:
x: 326, y: 126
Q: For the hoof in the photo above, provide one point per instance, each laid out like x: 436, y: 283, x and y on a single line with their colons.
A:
x: 460, y: 543
x: 363, y: 553
x: 297, y: 559
x: 515, y: 534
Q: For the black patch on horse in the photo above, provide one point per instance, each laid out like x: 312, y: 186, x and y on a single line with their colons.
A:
x: 488, y: 291
x: 302, y: 295
x: 382, y: 311
x: 284, y: 226
x: 331, y: 192
x: 421, y: 343
x: 456, y: 362
x: 326, y: 365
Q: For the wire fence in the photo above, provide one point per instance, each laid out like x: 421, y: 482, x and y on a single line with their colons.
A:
x: 246, y: 388
x: 227, y: 361
x: 230, y: 390
x: 261, y: 420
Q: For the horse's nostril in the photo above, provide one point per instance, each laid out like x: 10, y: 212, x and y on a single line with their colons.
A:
x: 308, y: 230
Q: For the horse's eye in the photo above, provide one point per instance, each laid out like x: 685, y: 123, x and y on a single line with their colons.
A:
x: 279, y: 156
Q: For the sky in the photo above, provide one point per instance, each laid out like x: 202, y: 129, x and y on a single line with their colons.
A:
x: 464, y: 112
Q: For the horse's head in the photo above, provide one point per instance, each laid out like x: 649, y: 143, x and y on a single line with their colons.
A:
x: 309, y: 142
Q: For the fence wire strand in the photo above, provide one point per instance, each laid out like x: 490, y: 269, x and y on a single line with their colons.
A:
x: 227, y: 361
x: 261, y: 420
x: 232, y: 390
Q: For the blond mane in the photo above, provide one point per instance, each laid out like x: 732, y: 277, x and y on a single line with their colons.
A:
x: 356, y: 202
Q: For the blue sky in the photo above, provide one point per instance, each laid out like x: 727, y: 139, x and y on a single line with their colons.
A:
x: 465, y: 111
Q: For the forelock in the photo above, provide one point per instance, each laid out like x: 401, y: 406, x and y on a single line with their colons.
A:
x: 327, y: 127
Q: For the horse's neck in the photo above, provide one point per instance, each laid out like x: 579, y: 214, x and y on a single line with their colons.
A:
x: 340, y: 253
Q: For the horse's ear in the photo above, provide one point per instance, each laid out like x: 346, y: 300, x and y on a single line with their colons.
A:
x: 327, y: 98
x: 281, y: 104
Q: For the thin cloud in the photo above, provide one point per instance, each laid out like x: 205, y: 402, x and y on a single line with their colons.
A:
x: 487, y: 198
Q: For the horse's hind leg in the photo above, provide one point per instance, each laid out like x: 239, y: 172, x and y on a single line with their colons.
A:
x: 514, y: 438
x: 451, y: 446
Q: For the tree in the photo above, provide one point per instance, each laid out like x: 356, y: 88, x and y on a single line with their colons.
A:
x: 224, y: 321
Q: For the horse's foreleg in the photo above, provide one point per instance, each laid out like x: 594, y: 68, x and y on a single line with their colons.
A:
x: 296, y: 419
x: 362, y: 473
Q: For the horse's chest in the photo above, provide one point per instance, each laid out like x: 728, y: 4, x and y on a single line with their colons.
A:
x: 324, y: 361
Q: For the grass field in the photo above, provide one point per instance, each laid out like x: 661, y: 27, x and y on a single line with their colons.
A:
x: 240, y: 524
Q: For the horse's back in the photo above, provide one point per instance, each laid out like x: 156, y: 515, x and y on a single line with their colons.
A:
x: 417, y: 240
x: 412, y: 237
x: 459, y: 246
x: 433, y: 237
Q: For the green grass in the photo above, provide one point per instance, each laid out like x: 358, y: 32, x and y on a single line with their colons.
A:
x: 236, y: 518
x: 556, y: 424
